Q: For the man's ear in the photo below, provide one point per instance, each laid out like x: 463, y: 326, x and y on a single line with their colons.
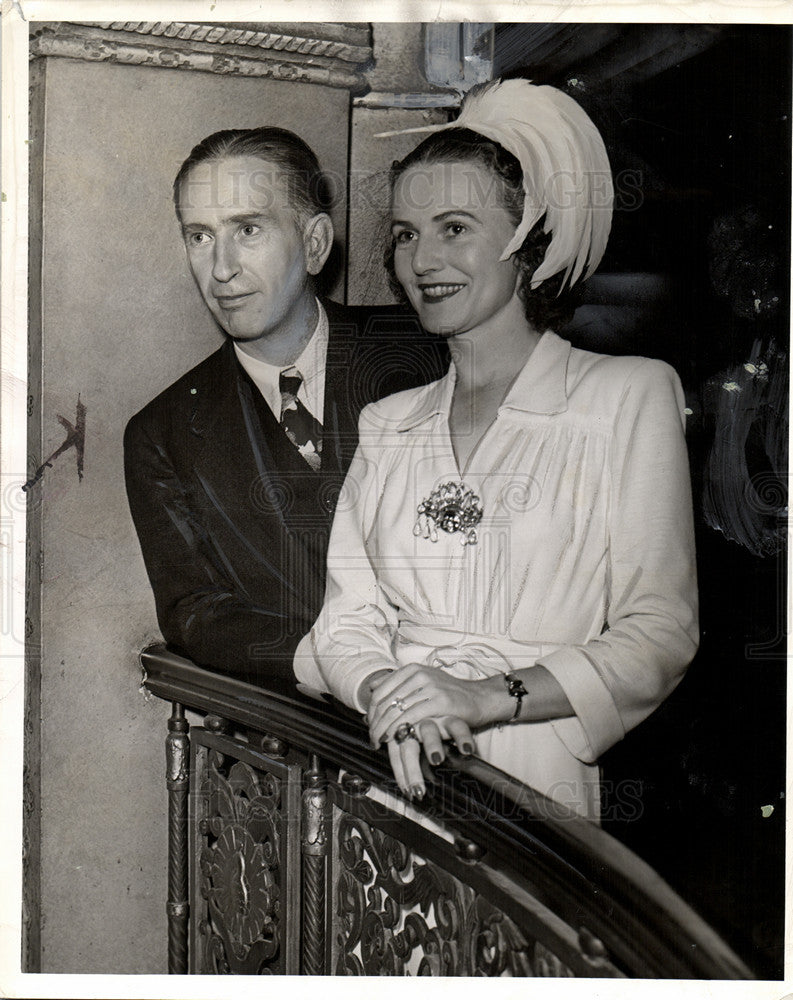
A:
x: 318, y: 241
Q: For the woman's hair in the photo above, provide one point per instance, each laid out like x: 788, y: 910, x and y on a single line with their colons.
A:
x: 309, y: 192
x: 544, y: 306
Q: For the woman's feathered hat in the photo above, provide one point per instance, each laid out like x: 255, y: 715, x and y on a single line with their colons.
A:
x: 566, y: 171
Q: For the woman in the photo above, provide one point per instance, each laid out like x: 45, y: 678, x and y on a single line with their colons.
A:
x: 568, y: 613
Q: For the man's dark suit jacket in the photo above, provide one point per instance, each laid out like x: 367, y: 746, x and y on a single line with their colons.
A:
x: 232, y: 522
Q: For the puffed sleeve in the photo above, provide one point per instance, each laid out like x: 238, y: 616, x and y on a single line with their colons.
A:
x: 354, y: 634
x: 618, y: 678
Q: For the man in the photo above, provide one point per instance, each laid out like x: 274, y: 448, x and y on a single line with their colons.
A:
x: 234, y: 470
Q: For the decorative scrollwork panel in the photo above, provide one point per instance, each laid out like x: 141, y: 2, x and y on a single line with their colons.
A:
x: 240, y: 878
x: 396, y: 913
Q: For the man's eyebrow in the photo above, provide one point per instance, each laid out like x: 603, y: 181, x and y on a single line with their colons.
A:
x: 243, y: 217
x: 240, y: 219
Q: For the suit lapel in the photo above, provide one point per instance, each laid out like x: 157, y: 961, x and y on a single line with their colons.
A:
x: 260, y: 449
x: 340, y: 419
x: 236, y: 451
x: 229, y: 418
x: 233, y: 444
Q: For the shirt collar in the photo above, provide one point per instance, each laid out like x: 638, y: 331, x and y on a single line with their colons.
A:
x: 310, y: 364
x: 541, y: 386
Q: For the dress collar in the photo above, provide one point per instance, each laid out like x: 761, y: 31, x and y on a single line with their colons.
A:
x: 541, y: 386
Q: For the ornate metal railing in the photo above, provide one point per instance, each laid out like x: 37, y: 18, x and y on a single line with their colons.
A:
x: 290, y: 851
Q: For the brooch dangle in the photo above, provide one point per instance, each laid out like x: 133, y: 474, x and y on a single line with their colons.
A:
x: 452, y: 507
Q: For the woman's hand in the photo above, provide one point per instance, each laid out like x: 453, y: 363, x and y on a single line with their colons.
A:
x: 416, y: 692
x: 429, y: 735
x: 405, y: 756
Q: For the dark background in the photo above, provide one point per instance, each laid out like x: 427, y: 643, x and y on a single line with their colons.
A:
x: 706, y: 143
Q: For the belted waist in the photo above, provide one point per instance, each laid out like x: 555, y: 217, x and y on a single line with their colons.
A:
x: 466, y: 654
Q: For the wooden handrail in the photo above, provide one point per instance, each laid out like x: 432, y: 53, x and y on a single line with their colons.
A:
x: 534, y: 851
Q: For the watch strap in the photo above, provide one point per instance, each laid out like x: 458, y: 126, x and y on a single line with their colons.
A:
x: 517, y: 690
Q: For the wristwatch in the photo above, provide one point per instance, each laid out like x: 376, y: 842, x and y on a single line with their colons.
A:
x: 517, y: 690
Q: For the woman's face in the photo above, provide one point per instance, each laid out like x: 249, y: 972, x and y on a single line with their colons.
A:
x: 449, y: 229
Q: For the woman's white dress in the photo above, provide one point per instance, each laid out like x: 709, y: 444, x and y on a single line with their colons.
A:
x: 584, y: 560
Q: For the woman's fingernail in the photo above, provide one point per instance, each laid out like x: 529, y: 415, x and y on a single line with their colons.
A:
x: 418, y: 792
x: 435, y: 758
x: 467, y: 749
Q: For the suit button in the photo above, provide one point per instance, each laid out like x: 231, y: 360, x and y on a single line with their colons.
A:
x: 328, y: 495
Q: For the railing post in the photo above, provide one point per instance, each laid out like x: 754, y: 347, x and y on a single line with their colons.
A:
x: 177, y: 755
x: 315, y: 850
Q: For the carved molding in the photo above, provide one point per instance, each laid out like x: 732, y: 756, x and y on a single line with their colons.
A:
x: 332, y: 55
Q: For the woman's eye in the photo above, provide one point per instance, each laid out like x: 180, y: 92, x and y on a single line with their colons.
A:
x: 403, y: 236
x: 455, y: 228
x: 197, y: 239
x: 249, y: 230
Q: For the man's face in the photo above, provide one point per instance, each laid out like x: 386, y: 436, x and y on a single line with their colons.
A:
x: 246, y: 249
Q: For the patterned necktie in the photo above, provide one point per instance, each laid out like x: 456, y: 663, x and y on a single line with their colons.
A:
x: 302, y: 429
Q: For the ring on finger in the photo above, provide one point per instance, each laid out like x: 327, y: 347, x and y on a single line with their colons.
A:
x: 405, y: 732
x: 398, y: 703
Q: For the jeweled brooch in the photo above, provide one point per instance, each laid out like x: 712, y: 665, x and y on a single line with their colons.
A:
x: 451, y: 507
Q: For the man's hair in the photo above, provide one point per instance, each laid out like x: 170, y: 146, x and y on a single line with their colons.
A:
x: 544, y: 306
x: 308, y: 188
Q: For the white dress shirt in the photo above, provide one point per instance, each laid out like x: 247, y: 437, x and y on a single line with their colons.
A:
x: 310, y: 364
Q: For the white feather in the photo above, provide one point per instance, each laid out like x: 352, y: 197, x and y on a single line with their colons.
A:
x: 566, y: 170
